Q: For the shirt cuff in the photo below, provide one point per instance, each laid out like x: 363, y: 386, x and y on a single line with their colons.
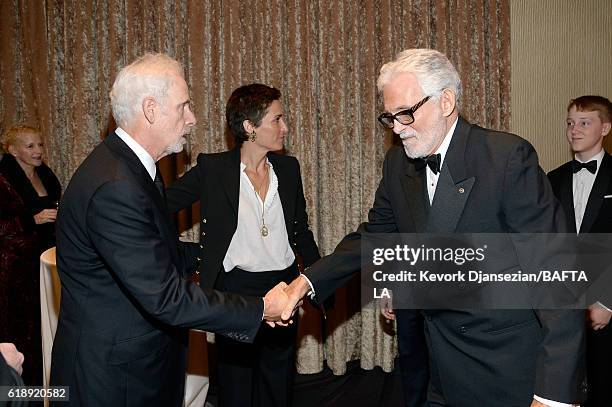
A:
x: 604, y: 307
x: 311, y: 293
x: 553, y: 403
x: 263, y: 310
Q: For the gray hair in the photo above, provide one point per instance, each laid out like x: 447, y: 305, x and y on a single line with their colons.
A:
x: 148, y: 76
x: 433, y: 71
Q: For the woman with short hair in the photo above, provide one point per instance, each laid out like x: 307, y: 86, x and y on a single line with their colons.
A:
x: 253, y: 225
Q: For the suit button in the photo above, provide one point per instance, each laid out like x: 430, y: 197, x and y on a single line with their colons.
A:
x: 203, y: 233
x: 295, y: 233
x: 201, y: 247
x: 295, y: 222
x: 199, y: 258
x: 462, y: 329
x: 197, y: 271
x: 295, y: 244
x: 203, y: 220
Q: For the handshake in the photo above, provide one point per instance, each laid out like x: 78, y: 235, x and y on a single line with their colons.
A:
x: 281, y: 302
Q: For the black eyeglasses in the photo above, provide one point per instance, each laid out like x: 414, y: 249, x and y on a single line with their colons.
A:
x: 404, y: 117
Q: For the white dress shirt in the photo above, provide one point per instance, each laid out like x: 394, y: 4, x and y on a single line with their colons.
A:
x: 432, y: 179
x: 142, y: 154
x: 249, y: 250
x: 582, y: 184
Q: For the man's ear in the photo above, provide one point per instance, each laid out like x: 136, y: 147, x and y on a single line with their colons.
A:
x: 448, y: 101
x: 606, y: 128
x: 148, y: 108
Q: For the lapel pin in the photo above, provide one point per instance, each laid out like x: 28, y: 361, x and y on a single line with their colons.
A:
x: 461, y: 190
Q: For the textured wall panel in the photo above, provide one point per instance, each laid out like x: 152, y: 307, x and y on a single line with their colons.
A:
x: 560, y: 49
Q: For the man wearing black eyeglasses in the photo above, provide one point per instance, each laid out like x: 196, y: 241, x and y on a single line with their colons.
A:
x: 455, y: 177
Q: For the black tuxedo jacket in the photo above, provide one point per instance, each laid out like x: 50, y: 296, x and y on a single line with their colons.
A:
x: 215, y: 182
x: 597, y: 214
x: 490, y: 182
x: 125, y: 304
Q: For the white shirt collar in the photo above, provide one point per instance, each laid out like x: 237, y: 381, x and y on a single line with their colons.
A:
x: 599, y: 157
x: 142, y: 154
x: 443, y: 148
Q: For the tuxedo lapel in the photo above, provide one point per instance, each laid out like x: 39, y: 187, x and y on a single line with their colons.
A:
x: 232, y: 179
x: 413, y: 184
x: 454, y: 185
x: 566, y: 197
x: 448, y: 203
x: 604, y: 176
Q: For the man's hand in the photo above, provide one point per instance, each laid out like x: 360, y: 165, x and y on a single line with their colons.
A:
x: 275, y: 302
x: 13, y: 357
x: 295, y: 291
x: 386, y: 309
x: 598, y: 316
x: 45, y: 216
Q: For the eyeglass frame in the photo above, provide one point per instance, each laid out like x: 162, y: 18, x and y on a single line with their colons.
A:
x: 406, y: 112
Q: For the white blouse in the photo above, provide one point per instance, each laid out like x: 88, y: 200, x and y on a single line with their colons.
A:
x: 249, y: 250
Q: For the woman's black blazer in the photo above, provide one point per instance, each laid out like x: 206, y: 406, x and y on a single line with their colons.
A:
x: 215, y: 182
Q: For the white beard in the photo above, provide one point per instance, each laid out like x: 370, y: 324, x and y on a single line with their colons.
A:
x: 175, y: 147
x: 419, y: 145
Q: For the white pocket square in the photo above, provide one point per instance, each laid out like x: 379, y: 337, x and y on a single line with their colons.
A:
x: 607, y: 196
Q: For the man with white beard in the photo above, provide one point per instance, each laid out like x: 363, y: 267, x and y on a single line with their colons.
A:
x: 455, y: 177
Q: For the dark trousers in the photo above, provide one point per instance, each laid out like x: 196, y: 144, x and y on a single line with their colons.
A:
x: 412, y: 350
x: 599, y: 367
x: 261, y: 373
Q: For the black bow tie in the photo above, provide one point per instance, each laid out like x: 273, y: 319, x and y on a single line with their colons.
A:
x: 432, y: 161
x: 591, y: 166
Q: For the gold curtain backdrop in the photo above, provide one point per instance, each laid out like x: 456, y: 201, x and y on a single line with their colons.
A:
x: 58, y: 60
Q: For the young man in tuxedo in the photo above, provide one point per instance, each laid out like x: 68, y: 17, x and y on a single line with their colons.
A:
x: 584, y: 187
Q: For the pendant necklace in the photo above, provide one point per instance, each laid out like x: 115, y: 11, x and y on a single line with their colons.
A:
x: 264, y: 229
